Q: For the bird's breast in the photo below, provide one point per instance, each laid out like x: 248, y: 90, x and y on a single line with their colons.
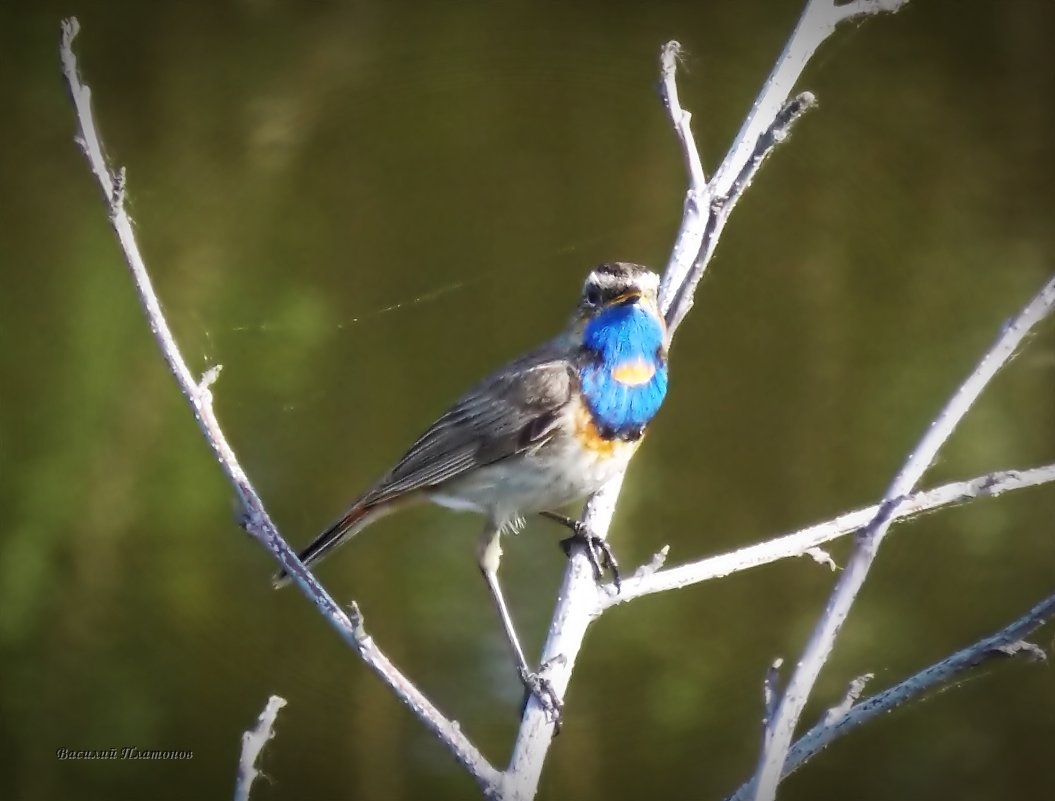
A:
x: 576, y: 461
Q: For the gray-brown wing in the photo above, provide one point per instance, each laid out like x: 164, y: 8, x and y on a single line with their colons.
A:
x: 510, y: 411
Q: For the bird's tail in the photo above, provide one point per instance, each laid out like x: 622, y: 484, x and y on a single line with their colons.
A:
x: 351, y: 523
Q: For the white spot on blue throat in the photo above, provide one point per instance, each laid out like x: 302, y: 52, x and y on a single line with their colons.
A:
x: 619, y: 336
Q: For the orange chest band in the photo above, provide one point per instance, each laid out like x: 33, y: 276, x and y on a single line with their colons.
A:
x: 587, y: 433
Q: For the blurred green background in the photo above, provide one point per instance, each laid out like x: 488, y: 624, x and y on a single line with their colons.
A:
x: 358, y: 209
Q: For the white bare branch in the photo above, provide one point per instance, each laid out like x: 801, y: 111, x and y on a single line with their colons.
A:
x: 697, y: 196
x: 766, y: 124
x: 802, y: 541
x: 573, y: 614
x: 253, y: 742
x: 817, y: 23
x: 198, y: 394
x: 947, y: 672
x: 822, y: 640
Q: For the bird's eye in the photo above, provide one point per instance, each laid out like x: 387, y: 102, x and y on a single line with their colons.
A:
x: 593, y: 296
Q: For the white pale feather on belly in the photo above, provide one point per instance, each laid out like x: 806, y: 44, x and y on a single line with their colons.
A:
x: 458, y: 504
x: 546, y: 479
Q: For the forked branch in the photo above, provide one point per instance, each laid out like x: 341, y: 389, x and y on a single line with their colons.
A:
x: 1008, y: 642
x: 781, y: 730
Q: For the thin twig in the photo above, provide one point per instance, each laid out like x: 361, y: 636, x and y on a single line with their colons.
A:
x: 682, y: 293
x: 822, y: 640
x: 817, y: 22
x: 771, y: 137
x: 771, y: 690
x: 255, y: 519
x: 697, y: 196
x: 853, y: 693
x: 800, y: 542
x: 815, y: 25
x: 253, y: 742
x: 1006, y: 642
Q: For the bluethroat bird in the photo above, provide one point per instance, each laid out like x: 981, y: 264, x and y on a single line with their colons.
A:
x: 546, y: 429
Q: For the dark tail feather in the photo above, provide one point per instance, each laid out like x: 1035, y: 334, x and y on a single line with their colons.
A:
x: 354, y: 520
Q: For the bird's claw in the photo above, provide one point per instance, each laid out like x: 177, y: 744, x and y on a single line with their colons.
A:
x: 598, y: 551
x: 539, y: 686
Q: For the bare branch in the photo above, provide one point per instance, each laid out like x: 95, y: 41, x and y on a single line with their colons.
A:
x: 821, y: 557
x: 776, y: 133
x: 255, y: 518
x: 816, y: 24
x: 853, y: 692
x: 697, y: 196
x: 657, y: 561
x: 802, y: 541
x: 771, y: 692
x: 253, y: 742
x: 682, y: 286
x: 865, y: 8
x: 574, y: 612
x: 669, y: 56
x: 822, y: 640
x: 1006, y: 642
x: 767, y: 123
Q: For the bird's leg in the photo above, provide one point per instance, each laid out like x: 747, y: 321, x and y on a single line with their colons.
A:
x: 489, y: 554
x: 598, y: 551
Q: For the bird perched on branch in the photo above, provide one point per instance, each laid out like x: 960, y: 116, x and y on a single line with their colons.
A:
x: 548, y: 428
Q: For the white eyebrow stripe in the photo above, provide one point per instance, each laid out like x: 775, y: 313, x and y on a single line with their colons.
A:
x: 646, y: 280
x: 649, y: 281
x: 603, y: 280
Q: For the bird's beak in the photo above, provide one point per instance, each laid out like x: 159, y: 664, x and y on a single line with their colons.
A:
x: 626, y: 298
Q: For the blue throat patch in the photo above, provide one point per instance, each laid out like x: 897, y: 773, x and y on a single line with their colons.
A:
x: 626, y: 381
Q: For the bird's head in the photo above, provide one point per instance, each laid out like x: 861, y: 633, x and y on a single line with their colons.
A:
x: 617, y: 284
x: 622, y: 341
x: 611, y: 290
